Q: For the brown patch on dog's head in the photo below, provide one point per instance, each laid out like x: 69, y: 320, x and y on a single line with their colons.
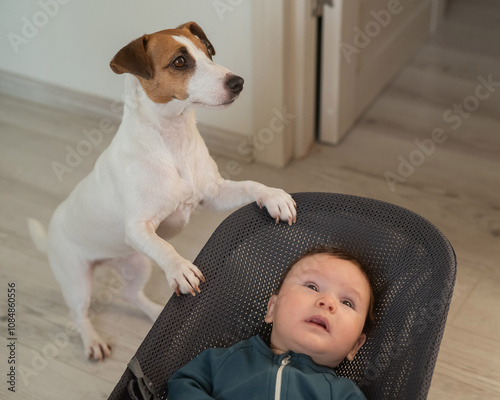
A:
x: 202, y: 43
x: 162, y: 64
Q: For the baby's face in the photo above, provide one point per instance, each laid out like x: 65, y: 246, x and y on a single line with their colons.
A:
x: 320, y: 310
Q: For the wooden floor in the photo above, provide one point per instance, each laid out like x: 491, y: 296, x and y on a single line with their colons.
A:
x: 455, y: 186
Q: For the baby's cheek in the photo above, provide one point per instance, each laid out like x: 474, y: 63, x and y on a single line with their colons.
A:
x: 289, y: 302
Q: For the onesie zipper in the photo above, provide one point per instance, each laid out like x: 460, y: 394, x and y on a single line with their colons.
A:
x: 277, y: 391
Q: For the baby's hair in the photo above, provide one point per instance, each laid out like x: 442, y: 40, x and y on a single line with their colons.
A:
x: 342, y: 255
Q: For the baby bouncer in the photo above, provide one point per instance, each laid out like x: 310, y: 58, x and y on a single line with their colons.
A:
x: 412, y: 266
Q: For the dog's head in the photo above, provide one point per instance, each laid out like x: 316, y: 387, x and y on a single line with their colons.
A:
x: 177, y: 64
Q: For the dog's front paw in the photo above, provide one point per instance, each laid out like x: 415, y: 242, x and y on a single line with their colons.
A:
x: 97, y: 349
x: 279, y: 204
x: 184, y: 277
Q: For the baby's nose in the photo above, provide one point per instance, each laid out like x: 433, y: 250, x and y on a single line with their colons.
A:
x: 327, y: 303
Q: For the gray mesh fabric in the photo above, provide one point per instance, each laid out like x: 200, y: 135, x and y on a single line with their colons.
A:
x: 411, y: 265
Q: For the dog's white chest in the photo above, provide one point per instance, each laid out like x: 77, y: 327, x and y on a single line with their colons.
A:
x: 184, y: 184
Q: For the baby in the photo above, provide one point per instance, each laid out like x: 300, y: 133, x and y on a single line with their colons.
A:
x: 320, y: 313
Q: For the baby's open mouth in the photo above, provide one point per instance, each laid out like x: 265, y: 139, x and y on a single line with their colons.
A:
x: 319, y: 321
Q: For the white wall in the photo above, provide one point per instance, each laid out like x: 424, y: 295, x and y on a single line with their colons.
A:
x: 75, y: 40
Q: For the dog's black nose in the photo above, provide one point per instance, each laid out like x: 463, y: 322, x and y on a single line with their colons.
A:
x: 235, y: 84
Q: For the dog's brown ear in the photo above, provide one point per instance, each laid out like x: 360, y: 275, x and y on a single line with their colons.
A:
x: 133, y: 59
x: 196, y: 30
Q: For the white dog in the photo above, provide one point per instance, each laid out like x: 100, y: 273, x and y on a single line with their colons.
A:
x: 157, y: 170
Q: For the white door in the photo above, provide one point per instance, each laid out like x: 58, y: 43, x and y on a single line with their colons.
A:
x: 364, y: 42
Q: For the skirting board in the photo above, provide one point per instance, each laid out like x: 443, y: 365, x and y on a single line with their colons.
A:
x: 219, y: 142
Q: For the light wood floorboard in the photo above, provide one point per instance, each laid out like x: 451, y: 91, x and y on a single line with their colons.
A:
x: 455, y: 187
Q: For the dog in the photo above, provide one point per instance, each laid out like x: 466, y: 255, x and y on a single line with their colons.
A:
x: 156, y: 171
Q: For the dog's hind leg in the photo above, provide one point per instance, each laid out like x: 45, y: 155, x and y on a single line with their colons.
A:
x: 135, y: 271
x: 76, y: 285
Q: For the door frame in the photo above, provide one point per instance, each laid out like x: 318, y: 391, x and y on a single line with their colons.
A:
x: 284, y: 32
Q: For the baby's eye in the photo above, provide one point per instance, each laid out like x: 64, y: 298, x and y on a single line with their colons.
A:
x: 312, y: 286
x: 348, y: 303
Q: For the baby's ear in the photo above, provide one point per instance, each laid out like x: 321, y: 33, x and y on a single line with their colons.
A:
x: 360, y: 342
x: 270, y: 309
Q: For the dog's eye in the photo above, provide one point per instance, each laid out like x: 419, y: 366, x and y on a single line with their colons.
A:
x: 179, y: 62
